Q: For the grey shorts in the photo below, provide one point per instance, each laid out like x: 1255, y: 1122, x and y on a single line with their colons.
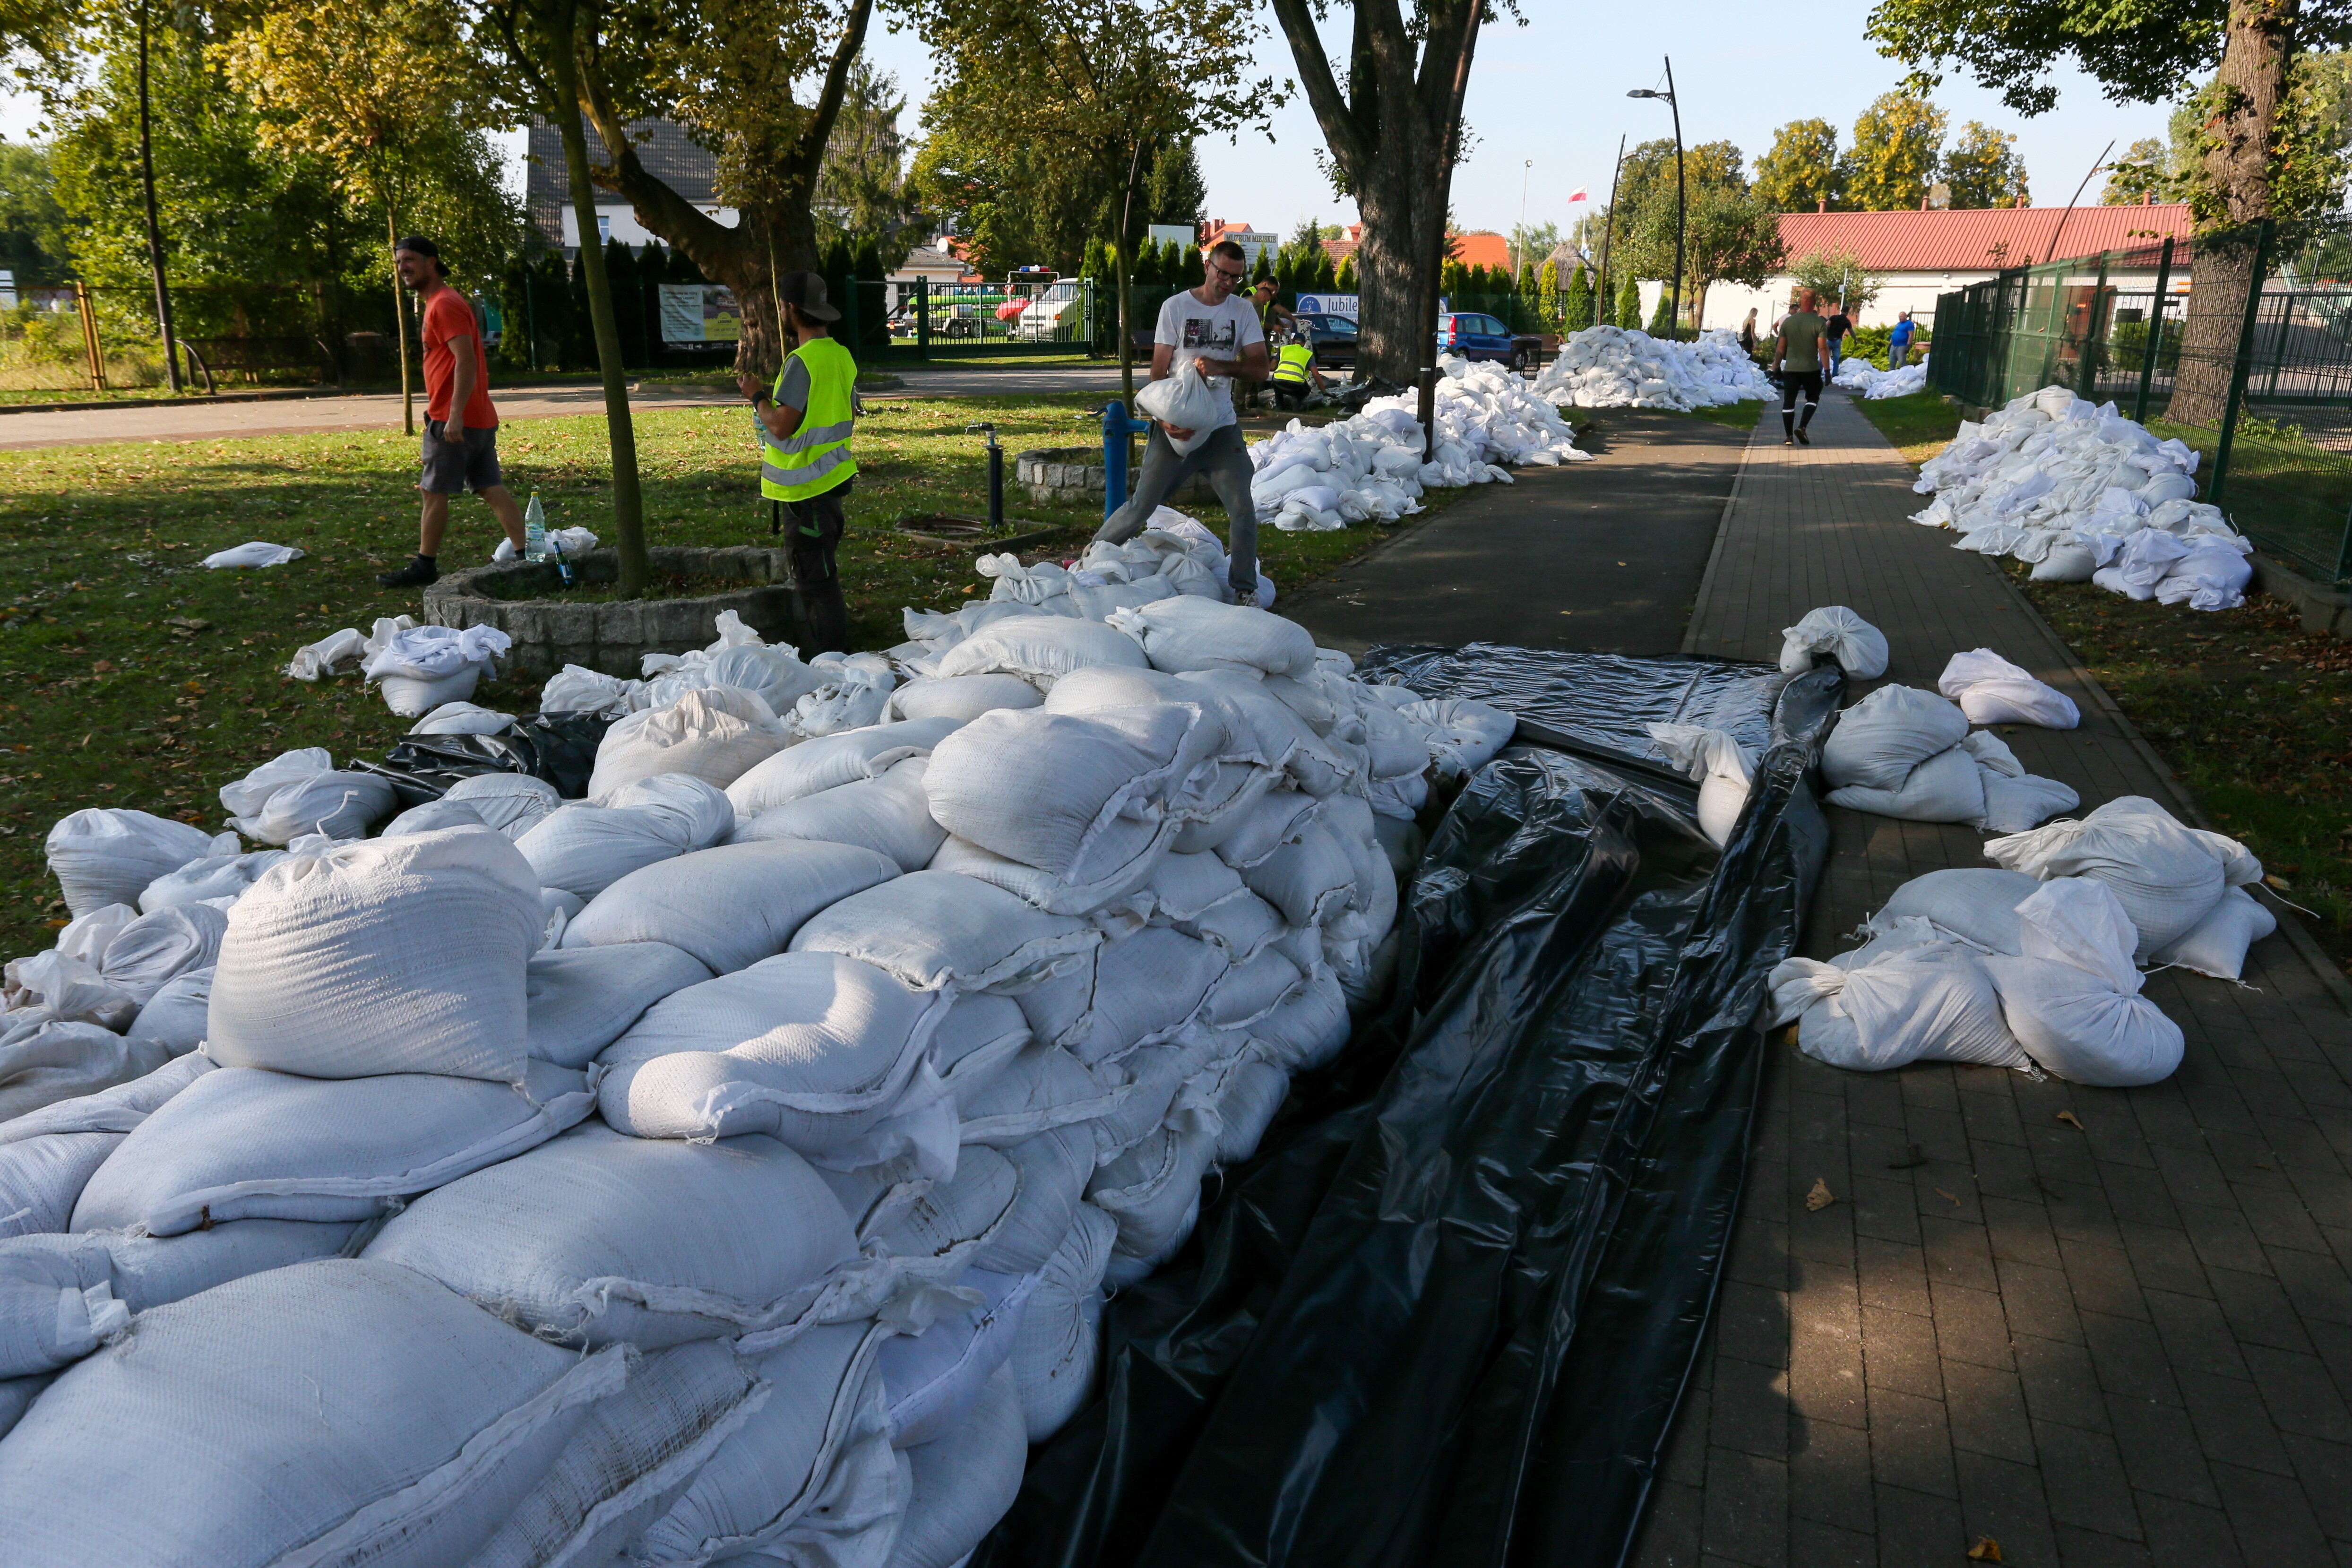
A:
x: 451, y: 468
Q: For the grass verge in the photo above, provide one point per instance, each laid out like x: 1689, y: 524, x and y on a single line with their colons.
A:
x: 131, y: 675
x: 2251, y: 712
x: 1742, y: 415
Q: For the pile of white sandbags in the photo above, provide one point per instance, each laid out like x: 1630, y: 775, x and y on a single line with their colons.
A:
x: 729, y: 1165
x: 1369, y: 467
x: 1619, y: 367
x: 2086, y: 496
x: 1860, y: 376
x: 1901, y: 752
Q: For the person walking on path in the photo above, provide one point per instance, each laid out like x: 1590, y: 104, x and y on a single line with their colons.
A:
x: 1803, y: 358
x: 1840, y: 325
x: 461, y: 427
x: 803, y: 423
x: 1898, y: 342
x: 1221, y: 335
x: 1748, y: 333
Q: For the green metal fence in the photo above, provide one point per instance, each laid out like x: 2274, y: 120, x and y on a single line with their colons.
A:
x: 2260, y: 384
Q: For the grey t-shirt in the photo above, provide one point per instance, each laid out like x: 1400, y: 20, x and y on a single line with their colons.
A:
x: 793, y: 393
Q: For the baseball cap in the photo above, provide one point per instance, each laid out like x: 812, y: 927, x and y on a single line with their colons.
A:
x: 806, y: 291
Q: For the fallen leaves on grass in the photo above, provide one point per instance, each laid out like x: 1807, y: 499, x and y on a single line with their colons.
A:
x: 2070, y: 1119
x: 1821, y: 1198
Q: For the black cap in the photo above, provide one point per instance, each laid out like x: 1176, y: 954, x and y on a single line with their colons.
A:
x: 805, y: 292
x: 425, y: 248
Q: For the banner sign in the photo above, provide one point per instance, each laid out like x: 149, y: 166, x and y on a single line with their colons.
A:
x: 698, y: 313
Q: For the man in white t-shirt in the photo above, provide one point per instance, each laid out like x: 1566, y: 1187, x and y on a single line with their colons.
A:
x: 1220, y: 331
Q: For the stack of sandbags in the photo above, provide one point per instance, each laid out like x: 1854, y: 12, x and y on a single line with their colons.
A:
x: 1619, y: 367
x: 2180, y: 886
x: 421, y: 668
x: 1904, y: 752
x: 1908, y: 995
x: 2085, y: 495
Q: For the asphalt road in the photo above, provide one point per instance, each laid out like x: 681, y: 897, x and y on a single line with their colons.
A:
x: 1604, y: 556
x: 381, y: 411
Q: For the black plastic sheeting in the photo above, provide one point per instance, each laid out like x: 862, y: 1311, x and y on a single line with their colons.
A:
x: 558, y: 747
x: 1447, y: 1313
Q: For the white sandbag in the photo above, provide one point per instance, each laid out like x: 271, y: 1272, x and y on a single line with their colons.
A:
x: 1141, y: 989
x: 630, y: 1458
x: 2167, y: 877
x: 1183, y: 888
x: 103, y: 857
x: 811, y: 1479
x: 43, y: 1061
x: 1153, y: 1190
x: 17, y: 1397
x: 461, y: 719
x: 596, y: 1239
x: 299, y: 792
x: 393, y: 955
x: 1159, y: 1078
x: 1859, y: 647
x: 226, y: 876
x: 432, y: 817
x: 48, y: 1155
x: 811, y: 1048
x: 1464, y: 736
x: 1308, y: 880
x: 1309, y: 1028
x: 729, y: 906
x: 586, y: 847
x: 776, y: 675
x: 1947, y: 787
x: 243, y: 1143
x: 511, y: 802
x: 856, y: 691
x: 962, y: 698
x: 1249, y: 1092
x: 1930, y: 1002
x: 575, y: 689
x: 832, y: 759
x: 62, y: 1296
x: 1122, y: 858
x: 933, y: 930
x: 977, y: 1038
x: 963, y: 1482
x: 178, y: 1013
x: 1039, y: 649
x: 716, y: 734
x: 1991, y: 691
x: 1976, y: 904
x: 2217, y: 945
x: 1189, y: 632
x: 1879, y: 740
x: 933, y: 1380
x: 399, y: 1425
x: 1253, y: 988
x: 422, y: 669
x: 582, y: 1000
x: 890, y: 815
x: 927, y: 1229
x: 2072, y: 996
x: 1274, y: 820
x: 331, y: 655
x: 1052, y: 1360
x: 156, y: 948
x: 2014, y: 802
x: 1720, y: 764
x: 258, y: 552
x: 2068, y: 561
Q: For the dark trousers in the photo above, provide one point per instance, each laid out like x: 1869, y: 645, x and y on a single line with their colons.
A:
x: 1792, y: 382
x: 813, y: 533
x: 1224, y: 459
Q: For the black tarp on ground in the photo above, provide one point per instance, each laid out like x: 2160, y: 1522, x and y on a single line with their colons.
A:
x: 1447, y: 1313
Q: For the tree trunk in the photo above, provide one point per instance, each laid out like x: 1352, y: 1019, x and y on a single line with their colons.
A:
x: 628, y: 502
x: 2247, y: 91
x: 154, y: 228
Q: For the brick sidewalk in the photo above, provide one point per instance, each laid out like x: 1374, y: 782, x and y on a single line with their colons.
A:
x: 2129, y: 1343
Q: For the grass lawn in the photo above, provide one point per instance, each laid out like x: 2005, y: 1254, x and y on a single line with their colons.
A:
x: 1742, y: 415
x: 131, y: 675
x: 2251, y: 712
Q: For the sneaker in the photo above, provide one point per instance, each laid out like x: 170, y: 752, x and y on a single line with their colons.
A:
x: 415, y: 575
x: 1804, y: 439
x: 1246, y: 598
x: 1788, y: 440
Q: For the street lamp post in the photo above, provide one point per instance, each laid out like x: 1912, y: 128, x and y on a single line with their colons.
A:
x: 1674, y: 285
x: 1518, y: 240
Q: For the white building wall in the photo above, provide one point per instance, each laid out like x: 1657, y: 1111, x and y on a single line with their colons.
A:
x: 619, y: 221
x: 1728, y: 304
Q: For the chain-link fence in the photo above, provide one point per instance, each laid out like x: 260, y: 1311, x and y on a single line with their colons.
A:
x: 2237, y: 342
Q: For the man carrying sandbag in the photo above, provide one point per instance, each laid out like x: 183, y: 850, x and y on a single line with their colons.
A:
x: 805, y: 468
x: 1217, y: 337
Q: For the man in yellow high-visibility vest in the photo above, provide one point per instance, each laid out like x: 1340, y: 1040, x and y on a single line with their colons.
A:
x: 803, y: 426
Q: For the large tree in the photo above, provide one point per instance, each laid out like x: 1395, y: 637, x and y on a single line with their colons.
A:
x: 1100, y: 88
x: 1801, y: 172
x: 2147, y: 52
x: 1714, y: 180
x: 2138, y: 177
x: 861, y: 190
x: 1982, y: 169
x: 1892, y: 159
x: 1730, y: 236
x: 1391, y: 120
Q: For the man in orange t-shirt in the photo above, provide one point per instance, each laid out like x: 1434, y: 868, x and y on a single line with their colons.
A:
x: 461, y: 448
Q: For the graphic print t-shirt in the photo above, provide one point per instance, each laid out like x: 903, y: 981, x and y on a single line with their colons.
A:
x: 1217, y: 332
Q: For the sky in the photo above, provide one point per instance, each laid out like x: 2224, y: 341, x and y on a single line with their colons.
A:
x: 1552, y: 94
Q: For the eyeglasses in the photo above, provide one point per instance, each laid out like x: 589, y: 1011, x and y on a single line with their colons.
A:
x: 1236, y: 273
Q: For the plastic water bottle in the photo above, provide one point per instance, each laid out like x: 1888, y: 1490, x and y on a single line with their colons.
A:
x: 535, y: 546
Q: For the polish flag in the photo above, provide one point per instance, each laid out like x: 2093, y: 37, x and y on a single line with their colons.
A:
x: 1578, y: 195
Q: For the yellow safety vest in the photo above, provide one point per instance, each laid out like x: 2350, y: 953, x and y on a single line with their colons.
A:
x: 1293, y: 365
x: 815, y: 458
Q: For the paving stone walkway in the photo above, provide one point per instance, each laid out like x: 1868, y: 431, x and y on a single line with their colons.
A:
x: 2121, y: 1339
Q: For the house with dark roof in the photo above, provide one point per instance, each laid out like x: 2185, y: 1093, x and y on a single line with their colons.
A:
x: 1917, y: 256
x: 667, y: 153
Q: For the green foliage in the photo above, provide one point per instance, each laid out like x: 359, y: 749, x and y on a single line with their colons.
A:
x: 1576, y: 308
x: 1983, y: 169
x: 2140, y: 175
x: 1802, y: 171
x: 1871, y: 344
x: 1628, y: 305
x: 1892, y: 158
x: 1645, y: 201
x: 1838, y: 274
x: 35, y: 242
x: 2143, y: 52
x: 861, y: 190
x: 1345, y: 280
x: 1530, y: 243
x: 1662, y: 322
x: 2127, y: 344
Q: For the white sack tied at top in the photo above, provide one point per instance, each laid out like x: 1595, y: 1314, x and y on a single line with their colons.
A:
x: 424, y: 667
x: 715, y: 733
x: 1723, y: 767
x: 2166, y: 875
x: 1858, y: 648
x: 1991, y: 691
x: 299, y: 792
x: 1184, y: 400
x: 1906, y: 996
x: 2072, y: 995
x: 103, y: 855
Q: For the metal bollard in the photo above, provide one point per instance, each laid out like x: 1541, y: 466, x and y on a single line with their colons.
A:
x: 995, y: 478
x: 1117, y: 426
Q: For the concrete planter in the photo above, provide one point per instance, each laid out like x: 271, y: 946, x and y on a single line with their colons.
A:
x: 1075, y: 474
x: 553, y: 631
